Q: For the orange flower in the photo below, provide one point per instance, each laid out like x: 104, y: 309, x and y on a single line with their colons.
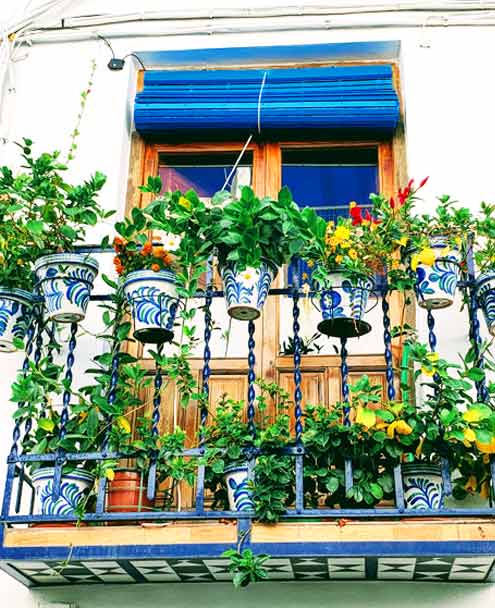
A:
x: 155, y: 267
x: 117, y: 262
x: 118, y: 244
x: 147, y: 248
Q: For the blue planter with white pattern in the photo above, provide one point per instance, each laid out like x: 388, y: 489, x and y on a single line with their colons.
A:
x: 423, y: 486
x: 485, y: 294
x: 246, y: 290
x: 15, y: 312
x: 74, y: 487
x: 65, y: 281
x: 239, y: 488
x: 343, y: 306
x: 153, y: 300
x: 436, y: 284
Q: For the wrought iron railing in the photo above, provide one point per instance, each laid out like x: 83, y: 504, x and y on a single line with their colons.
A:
x: 18, y: 482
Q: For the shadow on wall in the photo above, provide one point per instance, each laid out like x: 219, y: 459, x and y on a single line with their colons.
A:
x: 276, y: 595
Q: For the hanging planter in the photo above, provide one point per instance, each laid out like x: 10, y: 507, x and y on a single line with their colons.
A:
x: 65, y: 281
x: 343, y: 306
x: 73, y: 488
x: 436, y: 283
x: 238, y: 487
x: 485, y: 294
x: 153, y: 300
x: 246, y: 290
x: 15, y: 309
x: 423, y: 486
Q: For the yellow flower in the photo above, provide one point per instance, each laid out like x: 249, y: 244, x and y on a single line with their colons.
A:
x: 184, y: 202
x: 338, y: 259
x: 352, y: 204
x: 469, y: 435
x: 400, y: 427
x: 352, y: 254
x: 342, y: 233
x: 310, y: 263
x: 458, y: 241
x: 395, y: 264
x: 402, y: 241
x: 345, y: 244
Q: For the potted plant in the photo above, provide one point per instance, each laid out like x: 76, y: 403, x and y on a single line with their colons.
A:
x: 16, y: 278
x: 484, y: 255
x: 35, y: 392
x: 160, y: 254
x: 55, y: 215
x: 266, y: 488
x: 344, y: 257
x: 253, y: 238
x: 448, y: 425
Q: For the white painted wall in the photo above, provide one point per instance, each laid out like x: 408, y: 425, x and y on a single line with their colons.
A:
x: 448, y: 87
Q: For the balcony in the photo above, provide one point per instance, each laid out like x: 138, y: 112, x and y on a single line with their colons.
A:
x: 184, y: 540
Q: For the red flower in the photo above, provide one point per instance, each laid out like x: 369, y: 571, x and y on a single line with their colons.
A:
x: 392, y: 202
x: 409, y: 184
x: 423, y: 181
x: 356, y: 216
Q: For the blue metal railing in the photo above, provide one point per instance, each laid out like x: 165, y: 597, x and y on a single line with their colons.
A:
x: 17, y: 478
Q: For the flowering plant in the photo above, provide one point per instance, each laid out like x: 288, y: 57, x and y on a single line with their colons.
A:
x: 484, y: 254
x: 350, y: 246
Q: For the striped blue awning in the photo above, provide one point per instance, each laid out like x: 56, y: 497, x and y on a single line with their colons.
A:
x: 357, y: 99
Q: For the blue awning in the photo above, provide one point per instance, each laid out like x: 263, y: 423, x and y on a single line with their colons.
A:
x: 354, y: 99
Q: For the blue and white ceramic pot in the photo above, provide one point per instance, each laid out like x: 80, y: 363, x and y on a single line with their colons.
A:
x: 238, y: 487
x: 73, y: 488
x: 65, y: 281
x: 246, y: 290
x: 15, y: 311
x: 153, y: 299
x: 485, y: 294
x: 343, y: 306
x: 423, y: 486
x: 436, y: 284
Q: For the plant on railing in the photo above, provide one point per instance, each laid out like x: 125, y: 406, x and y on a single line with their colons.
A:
x: 329, y: 441
x: 230, y: 444
x: 484, y: 256
x: 253, y: 238
x: 246, y: 566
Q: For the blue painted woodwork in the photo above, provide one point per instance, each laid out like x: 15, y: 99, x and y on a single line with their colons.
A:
x: 358, y: 99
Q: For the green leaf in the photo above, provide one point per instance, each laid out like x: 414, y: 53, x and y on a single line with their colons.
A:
x: 46, y: 424
x: 35, y: 227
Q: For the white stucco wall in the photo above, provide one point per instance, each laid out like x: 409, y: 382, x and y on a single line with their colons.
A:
x: 448, y: 88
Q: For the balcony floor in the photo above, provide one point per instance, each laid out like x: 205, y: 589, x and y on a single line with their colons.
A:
x: 424, y: 550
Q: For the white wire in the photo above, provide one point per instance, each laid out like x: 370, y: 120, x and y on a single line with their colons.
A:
x: 259, y: 101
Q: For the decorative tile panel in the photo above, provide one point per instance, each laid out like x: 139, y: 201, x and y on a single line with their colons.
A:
x: 441, y: 569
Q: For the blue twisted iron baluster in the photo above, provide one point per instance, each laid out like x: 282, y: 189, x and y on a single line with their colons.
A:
x: 297, y: 366
x: 155, y: 419
x: 344, y: 374
x: 16, y: 433
x: 251, y: 378
x: 64, y: 416
x: 200, y: 481
x: 474, y: 324
x: 387, y: 341
x: 432, y: 339
x: 111, y: 396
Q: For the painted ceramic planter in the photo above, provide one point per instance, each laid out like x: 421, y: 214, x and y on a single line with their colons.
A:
x: 343, y: 307
x: 73, y: 488
x: 246, y: 290
x: 238, y: 487
x: 436, y: 284
x: 485, y: 294
x: 65, y: 281
x: 423, y: 486
x: 153, y: 299
x: 15, y: 310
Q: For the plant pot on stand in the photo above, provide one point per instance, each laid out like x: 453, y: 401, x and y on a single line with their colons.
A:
x: 153, y: 299
x: 423, y: 486
x: 65, y: 281
x: 436, y: 284
x: 246, y: 290
x: 15, y: 311
x: 343, y: 306
x: 127, y: 492
x: 239, y: 490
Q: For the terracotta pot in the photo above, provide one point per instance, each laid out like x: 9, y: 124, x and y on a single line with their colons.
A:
x: 127, y: 493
